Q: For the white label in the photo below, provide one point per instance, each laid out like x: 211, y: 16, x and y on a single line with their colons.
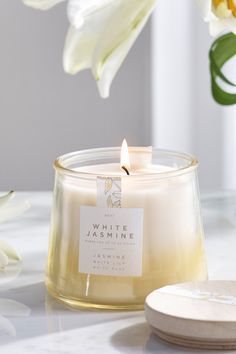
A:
x: 111, y: 241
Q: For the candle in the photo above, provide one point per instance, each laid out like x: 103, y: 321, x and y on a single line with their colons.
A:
x: 121, y: 229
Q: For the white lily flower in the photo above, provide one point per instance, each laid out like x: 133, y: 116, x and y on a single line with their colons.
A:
x: 9, y: 210
x: 81, y: 42
x: 109, y: 30
x: 9, y: 251
x: 3, y: 259
x: 41, y: 4
x: 101, y: 34
x: 78, y: 11
x: 221, y: 15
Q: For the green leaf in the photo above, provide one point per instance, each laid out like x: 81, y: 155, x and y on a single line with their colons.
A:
x: 222, y: 50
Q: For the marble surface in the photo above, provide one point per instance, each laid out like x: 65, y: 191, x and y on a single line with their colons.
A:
x: 35, y: 323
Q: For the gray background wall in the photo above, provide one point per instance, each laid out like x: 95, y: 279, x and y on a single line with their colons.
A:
x: 45, y: 113
x: 185, y: 117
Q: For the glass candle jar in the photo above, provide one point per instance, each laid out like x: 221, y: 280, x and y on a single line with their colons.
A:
x: 117, y: 237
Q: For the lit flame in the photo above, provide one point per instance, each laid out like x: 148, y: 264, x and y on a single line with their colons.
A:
x: 124, y: 156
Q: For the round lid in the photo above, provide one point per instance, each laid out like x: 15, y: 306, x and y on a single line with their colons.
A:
x: 196, y: 314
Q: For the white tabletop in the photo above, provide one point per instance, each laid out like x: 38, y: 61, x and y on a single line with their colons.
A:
x: 49, y: 327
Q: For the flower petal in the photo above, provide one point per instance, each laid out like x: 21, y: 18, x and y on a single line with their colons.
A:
x: 5, y: 198
x: 120, y: 34
x: 12, y: 308
x: 229, y: 24
x: 220, y: 25
x: 12, y: 210
x: 3, y: 260
x: 205, y: 7
x: 78, y: 51
x: 41, y: 4
x: 217, y: 24
x: 80, y: 43
x: 78, y: 10
x: 216, y: 27
x: 9, y: 251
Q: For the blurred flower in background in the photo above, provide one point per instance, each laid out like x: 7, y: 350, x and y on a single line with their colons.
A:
x: 9, y: 258
x: 221, y: 15
x: 8, y: 210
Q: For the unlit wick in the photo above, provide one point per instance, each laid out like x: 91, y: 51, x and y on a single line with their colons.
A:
x: 124, y: 168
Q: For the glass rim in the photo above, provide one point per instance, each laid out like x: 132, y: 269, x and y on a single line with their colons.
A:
x: 99, y: 153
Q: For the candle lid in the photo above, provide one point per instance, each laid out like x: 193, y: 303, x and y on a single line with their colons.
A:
x: 198, y: 314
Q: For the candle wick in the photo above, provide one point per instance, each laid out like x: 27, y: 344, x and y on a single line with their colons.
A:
x: 124, y: 168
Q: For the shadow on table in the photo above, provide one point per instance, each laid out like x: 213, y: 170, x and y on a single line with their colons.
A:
x: 139, y: 339
x: 47, y: 316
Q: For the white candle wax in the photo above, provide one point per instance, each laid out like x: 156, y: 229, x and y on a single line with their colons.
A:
x: 114, y: 169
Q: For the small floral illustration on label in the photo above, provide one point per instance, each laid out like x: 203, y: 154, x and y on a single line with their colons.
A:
x: 109, y: 192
